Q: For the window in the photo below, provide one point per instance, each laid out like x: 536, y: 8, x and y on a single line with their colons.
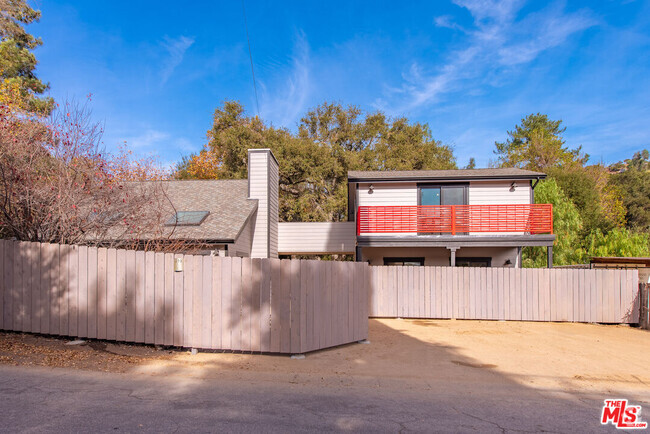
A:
x: 187, y: 218
x: 473, y: 262
x: 404, y: 261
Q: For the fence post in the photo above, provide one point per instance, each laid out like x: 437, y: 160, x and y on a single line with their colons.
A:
x: 644, y: 314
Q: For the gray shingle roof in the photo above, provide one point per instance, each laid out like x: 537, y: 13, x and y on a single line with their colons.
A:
x: 226, y: 200
x: 458, y: 174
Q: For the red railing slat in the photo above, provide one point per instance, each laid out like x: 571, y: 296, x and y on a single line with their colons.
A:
x: 455, y: 219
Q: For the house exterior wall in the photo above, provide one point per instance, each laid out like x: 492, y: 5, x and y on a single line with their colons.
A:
x: 263, y: 185
x: 439, y: 256
x: 388, y: 194
x: 478, y: 193
x: 316, y: 238
x: 243, y: 244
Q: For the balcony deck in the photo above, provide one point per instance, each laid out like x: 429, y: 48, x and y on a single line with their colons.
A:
x: 532, y: 219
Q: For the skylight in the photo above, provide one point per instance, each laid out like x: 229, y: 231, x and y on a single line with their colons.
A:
x: 187, y: 218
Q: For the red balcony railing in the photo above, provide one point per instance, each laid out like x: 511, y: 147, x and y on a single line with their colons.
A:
x: 455, y: 219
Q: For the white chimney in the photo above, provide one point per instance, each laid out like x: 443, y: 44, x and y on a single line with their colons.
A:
x: 263, y: 184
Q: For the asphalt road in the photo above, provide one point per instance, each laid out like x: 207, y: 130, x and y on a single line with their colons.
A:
x: 34, y: 399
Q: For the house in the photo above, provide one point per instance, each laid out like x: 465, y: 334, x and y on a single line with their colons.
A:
x: 231, y: 217
x: 470, y: 217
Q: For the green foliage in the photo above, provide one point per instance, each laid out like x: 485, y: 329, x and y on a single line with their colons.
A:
x: 331, y: 140
x: 537, y: 144
x: 17, y: 62
x: 567, y: 225
x: 633, y: 183
x: 618, y: 242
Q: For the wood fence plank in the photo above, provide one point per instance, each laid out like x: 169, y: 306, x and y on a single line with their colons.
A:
x: 149, y: 297
x: 342, y: 299
x: 363, y: 318
x: 276, y: 291
x: 491, y: 293
x: 83, y: 292
x: 206, y: 303
x: 25, y: 290
x: 296, y: 304
x: 304, y: 308
x: 102, y: 285
x: 141, y: 298
x: 246, y: 303
x: 620, y: 297
x: 111, y: 293
x: 600, y: 296
x: 436, y: 299
x: 197, y: 293
x: 632, y: 302
x: 256, y: 305
x: 3, y: 288
x: 226, y: 303
x: 473, y: 294
x: 188, y: 292
x: 235, y: 306
x: 120, y: 318
x: 73, y: 291
x: 44, y: 305
x: 169, y: 299
x: 8, y: 259
x: 285, y: 306
x: 34, y: 288
x: 216, y: 302
x: 466, y: 291
x: 265, y: 307
x: 130, y: 296
x: 515, y: 293
x: 611, y: 296
x: 588, y: 295
x: 353, y: 302
x: 424, y: 307
x: 318, y: 303
x: 159, y: 298
x: 326, y: 284
x: 179, y: 300
x: 93, y: 292
x: 580, y: 297
x: 335, y: 305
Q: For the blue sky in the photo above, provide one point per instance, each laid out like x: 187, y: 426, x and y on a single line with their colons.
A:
x: 471, y: 69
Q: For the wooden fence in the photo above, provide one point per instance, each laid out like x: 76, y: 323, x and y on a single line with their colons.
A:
x: 241, y: 304
x: 576, y: 295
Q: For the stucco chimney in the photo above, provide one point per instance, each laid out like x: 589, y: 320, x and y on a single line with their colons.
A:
x: 263, y: 184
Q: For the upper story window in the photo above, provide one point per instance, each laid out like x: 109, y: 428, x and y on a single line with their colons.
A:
x: 453, y: 194
x: 187, y: 218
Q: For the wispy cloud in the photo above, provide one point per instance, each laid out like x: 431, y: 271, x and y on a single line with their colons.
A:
x: 284, y: 98
x: 148, y: 139
x: 497, y: 41
x: 175, y: 52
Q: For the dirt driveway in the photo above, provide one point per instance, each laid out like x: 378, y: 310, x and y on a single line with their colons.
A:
x: 448, y: 376
x: 413, y: 354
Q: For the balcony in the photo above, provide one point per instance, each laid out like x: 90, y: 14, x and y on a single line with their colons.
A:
x: 529, y: 219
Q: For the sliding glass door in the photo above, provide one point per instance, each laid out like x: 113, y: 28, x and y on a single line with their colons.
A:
x: 438, y: 220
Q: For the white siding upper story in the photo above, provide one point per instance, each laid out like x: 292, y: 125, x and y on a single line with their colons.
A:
x: 499, y: 193
x: 398, y: 193
x: 313, y: 238
x: 479, y: 193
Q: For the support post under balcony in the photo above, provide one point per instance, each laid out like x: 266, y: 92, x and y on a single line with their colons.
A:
x: 549, y: 256
x: 452, y: 260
